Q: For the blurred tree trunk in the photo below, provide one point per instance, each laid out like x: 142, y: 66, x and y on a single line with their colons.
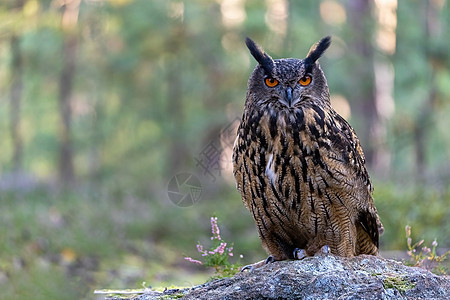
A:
x: 177, y: 155
x: 66, y: 169
x: 424, y: 119
x: 69, y: 22
x: 363, y: 96
x: 422, y: 126
x: 16, y: 98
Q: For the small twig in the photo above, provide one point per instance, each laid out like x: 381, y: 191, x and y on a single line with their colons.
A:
x: 123, y: 292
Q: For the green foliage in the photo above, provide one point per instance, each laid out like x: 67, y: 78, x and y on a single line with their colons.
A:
x: 67, y: 245
x: 422, y: 208
x: 425, y: 258
x: 217, y: 257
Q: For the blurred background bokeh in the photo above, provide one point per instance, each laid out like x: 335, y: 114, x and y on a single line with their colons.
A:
x: 108, y: 106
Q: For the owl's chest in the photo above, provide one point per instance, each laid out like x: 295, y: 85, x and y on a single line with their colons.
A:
x: 299, y: 133
x: 283, y: 149
x: 277, y: 160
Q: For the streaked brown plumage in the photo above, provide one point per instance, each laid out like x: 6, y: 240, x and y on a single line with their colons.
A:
x: 299, y: 165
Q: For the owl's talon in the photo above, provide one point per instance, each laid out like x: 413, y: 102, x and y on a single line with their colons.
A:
x: 324, y: 250
x: 248, y: 268
x: 299, y: 253
x: 270, y: 259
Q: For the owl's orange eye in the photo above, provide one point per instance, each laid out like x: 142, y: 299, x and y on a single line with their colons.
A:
x: 271, y: 82
x: 305, y: 80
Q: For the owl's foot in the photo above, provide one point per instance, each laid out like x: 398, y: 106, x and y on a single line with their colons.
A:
x: 325, y: 249
x: 250, y: 268
x: 299, y: 253
x: 269, y: 259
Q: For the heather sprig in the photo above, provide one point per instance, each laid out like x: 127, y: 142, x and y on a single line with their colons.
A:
x: 425, y: 257
x: 215, y: 229
x: 217, y: 256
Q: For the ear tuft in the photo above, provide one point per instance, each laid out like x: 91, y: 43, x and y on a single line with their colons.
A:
x: 261, y: 57
x: 317, y: 50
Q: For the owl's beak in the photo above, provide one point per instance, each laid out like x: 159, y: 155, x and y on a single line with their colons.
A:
x: 289, y: 99
x: 289, y: 95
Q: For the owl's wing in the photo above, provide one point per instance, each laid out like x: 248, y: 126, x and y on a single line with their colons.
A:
x: 350, y: 180
x: 346, y: 148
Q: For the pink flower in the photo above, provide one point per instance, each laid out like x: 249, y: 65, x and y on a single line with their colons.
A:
x: 215, y: 229
x: 190, y: 259
x: 220, y: 249
x: 434, y: 243
x: 200, y: 249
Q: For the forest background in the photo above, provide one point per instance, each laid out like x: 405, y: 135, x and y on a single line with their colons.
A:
x: 108, y: 106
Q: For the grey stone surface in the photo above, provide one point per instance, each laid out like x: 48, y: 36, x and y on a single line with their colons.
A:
x: 322, y: 277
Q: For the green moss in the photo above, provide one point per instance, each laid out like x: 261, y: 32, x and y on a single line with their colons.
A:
x: 400, y: 284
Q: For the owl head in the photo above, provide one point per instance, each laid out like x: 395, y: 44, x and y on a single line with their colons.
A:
x: 289, y: 82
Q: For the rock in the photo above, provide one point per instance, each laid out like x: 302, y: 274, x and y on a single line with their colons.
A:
x: 322, y: 277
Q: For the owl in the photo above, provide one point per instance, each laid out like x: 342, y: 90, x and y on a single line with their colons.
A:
x: 299, y: 165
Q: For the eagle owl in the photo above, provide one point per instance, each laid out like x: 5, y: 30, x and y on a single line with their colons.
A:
x: 299, y: 165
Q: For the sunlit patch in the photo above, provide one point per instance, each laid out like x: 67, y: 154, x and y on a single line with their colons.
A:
x: 387, y: 24
x: 332, y: 13
x: 341, y: 105
x: 233, y: 12
x: 277, y: 16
